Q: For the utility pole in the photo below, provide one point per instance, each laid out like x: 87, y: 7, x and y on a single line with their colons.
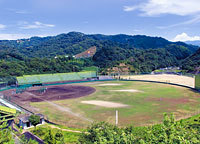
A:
x: 97, y: 70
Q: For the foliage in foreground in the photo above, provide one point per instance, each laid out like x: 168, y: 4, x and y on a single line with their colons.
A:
x: 49, y: 135
x: 5, y: 134
x: 24, y: 140
x: 168, y: 132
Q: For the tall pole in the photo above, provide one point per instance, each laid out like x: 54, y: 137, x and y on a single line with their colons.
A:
x: 97, y: 70
x: 116, y: 119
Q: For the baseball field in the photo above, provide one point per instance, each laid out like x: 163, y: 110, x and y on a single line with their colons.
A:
x: 138, y: 103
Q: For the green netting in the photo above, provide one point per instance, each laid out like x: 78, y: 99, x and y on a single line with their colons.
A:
x: 197, y: 82
x: 44, y: 78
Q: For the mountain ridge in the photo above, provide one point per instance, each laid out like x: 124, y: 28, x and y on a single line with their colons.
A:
x: 196, y: 42
x: 73, y: 43
x: 142, y: 53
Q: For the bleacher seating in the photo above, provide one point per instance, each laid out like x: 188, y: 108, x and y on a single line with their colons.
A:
x: 31, y: 79
x: 87, y: 74
x: 69, y: 76
x: 21, y: 80
x: 45, y: 78
x: 48, y: 78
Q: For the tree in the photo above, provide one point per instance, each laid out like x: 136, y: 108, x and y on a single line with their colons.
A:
x: 5, y: 134
x: 24, y: 140
x: 169, y: 132
x: 49, y: 135
x: 34, y: 119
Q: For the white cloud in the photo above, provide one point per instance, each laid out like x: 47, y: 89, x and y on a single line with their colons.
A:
x: 158, y: 7
x: 2, y: 26
x: 196, y: 19
x: 12, y: 36
x: 137, y: 30
x: 185, y: 37
x: 130, y: 8
x: 36, y: 25
x: 17, y: 11
x: 21, y: 12
x: 17, y: 36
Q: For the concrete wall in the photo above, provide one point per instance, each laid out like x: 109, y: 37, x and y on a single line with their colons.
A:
x: 197, y: 82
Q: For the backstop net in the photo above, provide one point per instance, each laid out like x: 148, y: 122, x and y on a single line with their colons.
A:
x: 197, y: 82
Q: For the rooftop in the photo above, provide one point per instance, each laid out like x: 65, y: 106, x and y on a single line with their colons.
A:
x: 25, y: 118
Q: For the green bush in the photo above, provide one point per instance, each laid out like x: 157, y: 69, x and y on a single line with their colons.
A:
x: 49, y: 135
x: 169, y: 132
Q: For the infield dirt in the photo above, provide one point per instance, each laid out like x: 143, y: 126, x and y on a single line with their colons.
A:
x: 52, y: 93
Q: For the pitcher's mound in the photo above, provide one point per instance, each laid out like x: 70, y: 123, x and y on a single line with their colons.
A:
x: 104, y: 103
x: 126, y: 90
x: 110, y: 84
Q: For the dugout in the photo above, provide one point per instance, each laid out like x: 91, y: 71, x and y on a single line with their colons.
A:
x: 25, y: 123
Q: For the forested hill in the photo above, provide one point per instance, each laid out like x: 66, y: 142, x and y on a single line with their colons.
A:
x: 141, y: 41
x: 197, y: 42
x: 192, y: 63
x: 139, y: 53
x: 74, y: 42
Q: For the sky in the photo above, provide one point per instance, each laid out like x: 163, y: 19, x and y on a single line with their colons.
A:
x: 175, y: 20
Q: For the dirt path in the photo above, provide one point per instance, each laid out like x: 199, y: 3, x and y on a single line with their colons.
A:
x: 75, y: 131
x: 61, y: 108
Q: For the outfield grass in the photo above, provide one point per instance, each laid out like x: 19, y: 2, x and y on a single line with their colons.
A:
x: 145, y: 107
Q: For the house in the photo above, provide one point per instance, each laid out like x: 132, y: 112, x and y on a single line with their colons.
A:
x: 25, y: 123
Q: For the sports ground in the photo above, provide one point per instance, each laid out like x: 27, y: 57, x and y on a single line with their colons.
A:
x: 138, y: 103
x: 80, y: 104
